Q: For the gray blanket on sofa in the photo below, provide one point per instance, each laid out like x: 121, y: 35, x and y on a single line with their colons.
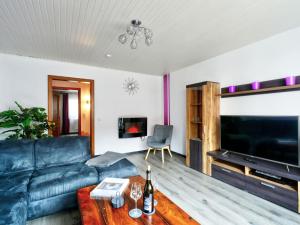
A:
x: 105, y: 160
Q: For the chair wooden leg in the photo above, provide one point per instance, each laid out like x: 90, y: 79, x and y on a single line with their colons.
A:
x: 169, y: 150
x: 154, y: 151
x: 149, y: 149
x: 162, y: 155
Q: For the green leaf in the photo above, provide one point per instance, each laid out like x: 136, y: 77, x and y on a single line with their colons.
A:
x: 8, y: 114
x: 8, y: 124
x: 19, y: 106
x: 27, y: 122
x: 13, y: 130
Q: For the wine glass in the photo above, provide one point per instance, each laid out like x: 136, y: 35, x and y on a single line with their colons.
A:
x: 135, y: 194
x: 155, y: 186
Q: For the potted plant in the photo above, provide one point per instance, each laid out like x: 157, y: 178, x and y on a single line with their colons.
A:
x: 25, y: 123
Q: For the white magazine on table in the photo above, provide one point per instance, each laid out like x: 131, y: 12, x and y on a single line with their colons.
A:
x: 109, y: 188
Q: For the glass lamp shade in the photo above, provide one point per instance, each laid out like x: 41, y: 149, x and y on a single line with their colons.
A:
x: 133, y: 44
x: 138, y: 33
x: 130, y: 30
x: 148, y: 41
x: 148, y: 33
x: 123, y: 38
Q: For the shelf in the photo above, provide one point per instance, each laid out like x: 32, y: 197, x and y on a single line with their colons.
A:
x: 196, y: 122
x: 268, y: 86
x: 262, y: 91
x: 198, y: 104
x: 241, y: 170
x: 195, y: 139
x: 259, y: 164
x: 229, y: 166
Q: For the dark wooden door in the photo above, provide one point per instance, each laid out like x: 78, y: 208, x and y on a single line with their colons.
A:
x: 56, y: 114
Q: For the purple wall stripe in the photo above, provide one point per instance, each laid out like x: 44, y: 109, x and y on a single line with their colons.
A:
x: 166, y: 99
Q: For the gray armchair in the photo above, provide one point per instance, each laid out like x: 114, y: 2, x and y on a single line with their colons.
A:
x: 161, y: 140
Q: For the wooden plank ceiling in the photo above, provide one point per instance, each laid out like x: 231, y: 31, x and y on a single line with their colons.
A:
x: 185, y: 31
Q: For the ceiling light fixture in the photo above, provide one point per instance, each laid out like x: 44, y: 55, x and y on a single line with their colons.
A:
x: 134, y: 31
x: 108, y: 55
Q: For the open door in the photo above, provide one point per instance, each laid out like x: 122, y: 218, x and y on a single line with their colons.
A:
x: 71, y: 107
x: 56, y: 114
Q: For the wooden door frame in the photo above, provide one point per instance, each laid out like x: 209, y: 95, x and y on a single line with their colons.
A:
x: 92, y: 106
x: 58, y: 110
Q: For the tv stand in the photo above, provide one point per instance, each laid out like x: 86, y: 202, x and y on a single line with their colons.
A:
x: 287, y: 168
x: 267, y: 175
x: 249, y: 159
x: 271, y: 181
x: 225, y: 153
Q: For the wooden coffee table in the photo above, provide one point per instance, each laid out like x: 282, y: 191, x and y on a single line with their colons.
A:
x: 100, y: 212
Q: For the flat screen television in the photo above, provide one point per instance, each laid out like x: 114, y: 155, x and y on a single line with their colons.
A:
x: 274, y: 138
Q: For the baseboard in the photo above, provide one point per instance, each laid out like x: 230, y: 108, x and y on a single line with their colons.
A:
x: 139, y: 151
x: 176, y: 153
x: 145, y: 151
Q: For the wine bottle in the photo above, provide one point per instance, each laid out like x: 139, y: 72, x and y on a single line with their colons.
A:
x: 148, y: 206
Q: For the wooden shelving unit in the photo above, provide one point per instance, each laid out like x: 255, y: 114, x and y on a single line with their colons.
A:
x: 271, y: 181
x: 202, y: 135
x: 243, y: 170
x: 270, y: 86
x: 236, y: 170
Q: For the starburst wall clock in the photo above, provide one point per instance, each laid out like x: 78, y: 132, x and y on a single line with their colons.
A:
x: 131, y: 86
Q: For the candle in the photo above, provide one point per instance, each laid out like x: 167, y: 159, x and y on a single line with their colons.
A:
x: 290, y: 80
x: 255, y: 85
x: 231, y: 89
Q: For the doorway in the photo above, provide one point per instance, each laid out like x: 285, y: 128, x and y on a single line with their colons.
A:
x: 71, y: 107
x: 66, y: 112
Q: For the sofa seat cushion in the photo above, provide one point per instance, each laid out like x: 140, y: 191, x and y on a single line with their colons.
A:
x: 16, y: 182
x: 13, y: 208
x: 120, y: 169
x: 55, y: 204
x: 157, y: 144
x: 59, y: 180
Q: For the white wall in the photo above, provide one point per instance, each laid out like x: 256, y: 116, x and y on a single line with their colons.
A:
x: 271, y: 58
x: 24, y: 79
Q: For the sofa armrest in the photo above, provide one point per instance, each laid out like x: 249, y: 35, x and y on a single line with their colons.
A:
x: 122, y: 169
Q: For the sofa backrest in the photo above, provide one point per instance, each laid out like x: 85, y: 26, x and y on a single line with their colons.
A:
x: 61, y: 151
x: 16, y: 155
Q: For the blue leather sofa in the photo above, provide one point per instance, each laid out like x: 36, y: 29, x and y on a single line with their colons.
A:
x: 39, y: 178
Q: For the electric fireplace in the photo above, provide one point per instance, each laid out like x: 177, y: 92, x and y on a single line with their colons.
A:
x: 132, y: 127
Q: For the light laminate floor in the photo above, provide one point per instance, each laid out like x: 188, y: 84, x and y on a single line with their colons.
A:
x: 209, y: 201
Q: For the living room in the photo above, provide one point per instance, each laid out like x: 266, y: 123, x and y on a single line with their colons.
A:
x: 233, y: 44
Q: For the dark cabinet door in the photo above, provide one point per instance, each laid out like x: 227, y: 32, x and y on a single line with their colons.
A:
x: 196, y: 155
x: 229, y: 177
x: 273, y: 193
